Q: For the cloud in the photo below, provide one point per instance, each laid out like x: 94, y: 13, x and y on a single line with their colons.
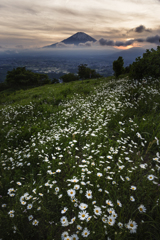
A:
x: 152, y: 39
x: 140, y: 29
x: 63, y: 45
x: 86, y: 44
x: 19, y: 46
x: 104, y: 42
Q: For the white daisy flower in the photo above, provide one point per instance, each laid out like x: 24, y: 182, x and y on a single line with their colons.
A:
x: 64, y: 210
x: 132, y: 198
x: 114, y: 215
x: 88, y: 194
x: 83, y: 215
x: 19, y: 183
x: 74, y: 237
x: 150, y: 177
x: 72, y: 220
x: 57, y: 189
x: 64, y: 234
x: 119, y: 203
x: 35, y: 222
x: 109, y: 203
x: 83, y: 206
x: 30, y: 217
x: 76, y: 187
x: 89, y: 218
x: 29, y: 206
x: 64, y: 221
x: 111, y: 220
x: 99, y: 174
x: 120, y: 225
x: 133, y: 188
x: 67, y: 238
x: 11, y: 215
x: 79, y: 227
x: 85, y: 232
x: 23, y: 203
x: 71, y: 192
x: 97, y: 211
x: 110, y: 210
x: 142, y: 208
x: 104, y: 220
x: 132, y: 226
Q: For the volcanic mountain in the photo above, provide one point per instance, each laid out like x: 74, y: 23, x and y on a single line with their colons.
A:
x: 76, y: 39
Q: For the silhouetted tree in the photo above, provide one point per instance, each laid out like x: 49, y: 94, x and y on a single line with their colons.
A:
x: 118, y: 66
x: 22, y: 77
x: 84, y: 72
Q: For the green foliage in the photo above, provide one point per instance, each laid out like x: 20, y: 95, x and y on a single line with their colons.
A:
x: 118, y: 66
x: 127, y: 69
x: 84, y: 72
x: 3, y: 86
x: 55, y: 80
x: 22, y: 77
x: 148, y: 66
x: 69, y: 77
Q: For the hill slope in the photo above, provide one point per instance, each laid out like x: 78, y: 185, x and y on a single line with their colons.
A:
x: 80, y: 159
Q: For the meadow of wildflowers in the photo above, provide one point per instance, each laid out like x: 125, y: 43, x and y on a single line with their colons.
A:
x: 86, y: 167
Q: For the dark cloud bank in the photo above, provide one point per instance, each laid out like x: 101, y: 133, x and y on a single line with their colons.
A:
x: 152, y: 39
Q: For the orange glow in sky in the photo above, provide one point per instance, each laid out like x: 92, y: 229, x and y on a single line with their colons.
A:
x: 124, y: 48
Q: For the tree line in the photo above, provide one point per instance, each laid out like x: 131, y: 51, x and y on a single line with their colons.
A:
x: 21, y: 77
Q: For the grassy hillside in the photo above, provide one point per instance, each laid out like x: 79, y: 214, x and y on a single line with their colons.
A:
x: 80, y: 161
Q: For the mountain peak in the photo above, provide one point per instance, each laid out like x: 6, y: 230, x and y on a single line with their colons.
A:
x: 77, y: 38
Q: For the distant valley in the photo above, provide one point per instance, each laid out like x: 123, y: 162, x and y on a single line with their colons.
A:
x: 57, y: 62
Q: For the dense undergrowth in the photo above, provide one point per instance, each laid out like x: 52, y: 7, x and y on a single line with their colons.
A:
x: 80, y: 161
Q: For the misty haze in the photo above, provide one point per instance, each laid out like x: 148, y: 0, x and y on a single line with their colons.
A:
x: 57, y: 62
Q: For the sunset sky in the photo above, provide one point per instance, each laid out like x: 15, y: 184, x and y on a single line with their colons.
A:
x: 118, y: 23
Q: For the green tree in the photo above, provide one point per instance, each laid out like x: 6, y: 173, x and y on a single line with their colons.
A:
x: 22, y: 77
x: 118, y: 66
x: 84, y: 72
x: 147, y: 66
x: 69, y: 77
